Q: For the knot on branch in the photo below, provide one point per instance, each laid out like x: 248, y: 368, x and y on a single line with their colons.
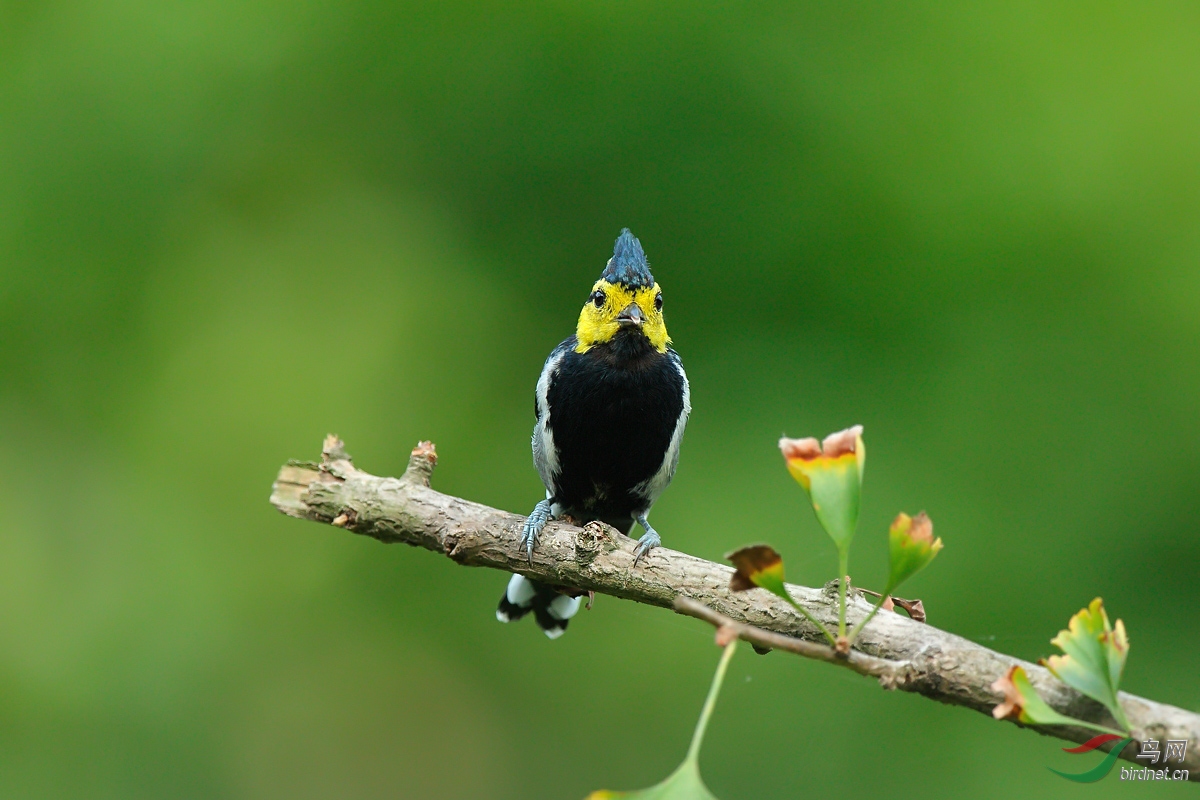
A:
x: 421, y: 462
x: 333, y: 449
x: 904, y: 677
x: 592, y: 540
x: 335, y: 460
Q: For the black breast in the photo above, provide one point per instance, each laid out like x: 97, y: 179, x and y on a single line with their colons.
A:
x: 613, y: 411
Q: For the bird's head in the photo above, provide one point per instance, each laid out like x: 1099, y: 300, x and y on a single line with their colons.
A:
x: 624, y: 302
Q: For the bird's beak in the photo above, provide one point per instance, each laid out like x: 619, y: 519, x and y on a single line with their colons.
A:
x: 631, y: 316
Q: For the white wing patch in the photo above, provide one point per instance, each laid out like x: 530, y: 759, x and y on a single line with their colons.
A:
x: 545, y: 454
x: 653, y: 486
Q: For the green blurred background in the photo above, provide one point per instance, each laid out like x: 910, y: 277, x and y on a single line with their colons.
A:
x: 228, y: 228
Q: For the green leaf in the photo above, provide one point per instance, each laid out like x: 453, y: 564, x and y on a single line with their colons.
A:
x: 685, y: 782
x: 1094, y: 657
x: 912, y: 547
x: 831, y: 472
x: 759, y: 565
x: 834, y: 492
x: 1024, y: 704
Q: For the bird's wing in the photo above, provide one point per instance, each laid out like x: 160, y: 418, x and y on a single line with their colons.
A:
x: 652, y: 487
x: 545, y: 454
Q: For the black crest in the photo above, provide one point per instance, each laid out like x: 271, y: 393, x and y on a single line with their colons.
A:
x: 628, y: 264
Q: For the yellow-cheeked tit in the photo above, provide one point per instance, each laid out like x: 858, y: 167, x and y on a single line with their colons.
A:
x: 611, y: 405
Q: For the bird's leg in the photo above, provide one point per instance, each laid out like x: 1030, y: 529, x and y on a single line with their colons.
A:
x: 648, y: 542
x: 534, y: 523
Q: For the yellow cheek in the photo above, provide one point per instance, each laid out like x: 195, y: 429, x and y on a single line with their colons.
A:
x: 655, y: 327
x: 656, y: 332
x: 593, y: 328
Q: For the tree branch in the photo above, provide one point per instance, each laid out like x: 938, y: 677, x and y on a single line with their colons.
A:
x: 898, y: 652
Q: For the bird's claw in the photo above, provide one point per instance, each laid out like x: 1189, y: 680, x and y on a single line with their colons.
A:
x: 534, y: 523
x: 528, y: 538
x: 645, y: 544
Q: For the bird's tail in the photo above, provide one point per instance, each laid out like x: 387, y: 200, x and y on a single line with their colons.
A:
x: 551, y: 608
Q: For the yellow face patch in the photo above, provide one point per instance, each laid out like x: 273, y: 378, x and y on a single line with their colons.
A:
x: 598, y: 323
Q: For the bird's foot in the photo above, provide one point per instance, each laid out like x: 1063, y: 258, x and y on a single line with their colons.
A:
x: 534, y: 523
x: 648, y: 542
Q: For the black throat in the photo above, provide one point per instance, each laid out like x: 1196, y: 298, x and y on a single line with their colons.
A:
x: 629, y: 349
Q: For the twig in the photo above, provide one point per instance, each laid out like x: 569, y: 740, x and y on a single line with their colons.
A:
x: 900, y: 653
x: 888, y: 672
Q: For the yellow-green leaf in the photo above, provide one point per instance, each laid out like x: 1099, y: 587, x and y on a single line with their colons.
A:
x: 1093, y: 659
x: 831, y: 472
x: 912, y: 547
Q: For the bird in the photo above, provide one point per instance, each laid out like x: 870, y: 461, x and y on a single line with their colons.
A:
x: 611, y: 405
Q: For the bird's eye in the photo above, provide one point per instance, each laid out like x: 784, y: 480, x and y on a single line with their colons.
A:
x: 598, y: 298
x: 658, y: 302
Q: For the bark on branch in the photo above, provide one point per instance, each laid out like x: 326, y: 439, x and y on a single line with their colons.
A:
x: 898, y: 652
